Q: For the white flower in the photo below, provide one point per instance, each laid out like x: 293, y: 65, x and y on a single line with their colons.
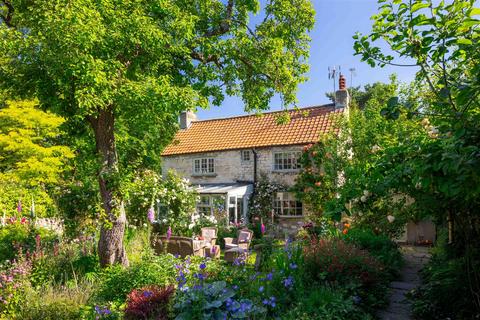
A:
x: 144, y: 225
x: 363, y: 198
x: 375, y: 148
x: 390, y: 218
x: 366, y: 193
x: 191, y: 225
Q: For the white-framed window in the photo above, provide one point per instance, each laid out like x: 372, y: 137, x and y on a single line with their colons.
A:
x: 209, y: 204
x: 204, y: 166
x: 285, y: 204
x: 286, y: 161
x: 246, y: 156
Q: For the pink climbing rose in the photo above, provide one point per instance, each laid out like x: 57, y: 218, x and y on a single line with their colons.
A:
x: 262, y: 228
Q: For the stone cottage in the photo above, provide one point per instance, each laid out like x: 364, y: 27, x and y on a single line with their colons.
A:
x: 224, y: 158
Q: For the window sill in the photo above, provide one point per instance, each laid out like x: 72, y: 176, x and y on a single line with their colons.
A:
x: 292, y: 171
x: 204, y: 174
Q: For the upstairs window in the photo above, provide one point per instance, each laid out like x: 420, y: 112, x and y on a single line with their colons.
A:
x: 285, y: 204
x: 204, y: 166
x: 286, y: 161
x: 246, y: 156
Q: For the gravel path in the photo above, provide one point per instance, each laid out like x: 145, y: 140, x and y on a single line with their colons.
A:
x: 399, y: 307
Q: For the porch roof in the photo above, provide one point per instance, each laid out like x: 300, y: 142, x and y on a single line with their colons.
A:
x: 221, y: 187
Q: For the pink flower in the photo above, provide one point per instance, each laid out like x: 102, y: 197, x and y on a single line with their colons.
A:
x: 19, y: 206
x: 23, y: 221
x: 169, y: 233
x: 262, y: 228
x: 151, y: 215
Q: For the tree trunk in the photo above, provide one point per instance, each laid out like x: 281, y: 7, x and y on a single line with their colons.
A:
x: 110, y: 244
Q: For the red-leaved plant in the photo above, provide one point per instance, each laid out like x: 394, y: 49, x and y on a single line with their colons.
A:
x: 149, y: 303
x: 336, y: 261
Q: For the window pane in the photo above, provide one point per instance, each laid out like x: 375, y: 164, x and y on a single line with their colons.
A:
x: 211, y: 166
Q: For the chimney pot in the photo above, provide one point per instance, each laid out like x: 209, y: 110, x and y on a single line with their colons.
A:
x: 342, y: 97
x: 341, y: 82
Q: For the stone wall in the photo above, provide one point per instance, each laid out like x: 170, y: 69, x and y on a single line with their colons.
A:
x: 230, y: 168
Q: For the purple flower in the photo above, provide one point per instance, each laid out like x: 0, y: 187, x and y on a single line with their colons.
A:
x: 261, y: 289
x: 202, y: 265
x: 288, y: 282
x: 356, y: 299
x: 293, y: 266
x: 19, y: 206
x: 151, y: 215
x: 147, y: 294
x: 169, y: 233
x: 269, y: 276
x: 199, y: 276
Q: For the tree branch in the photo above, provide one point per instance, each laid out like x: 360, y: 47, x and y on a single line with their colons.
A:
x: 224, y: 25
x: 7, y: 19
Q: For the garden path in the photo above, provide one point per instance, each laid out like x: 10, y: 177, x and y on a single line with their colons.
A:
x: 399, y: 307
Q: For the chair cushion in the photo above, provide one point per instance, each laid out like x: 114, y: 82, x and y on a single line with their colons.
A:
x: 208, y: 233
x: 243, y: 236
x: 230, y: 246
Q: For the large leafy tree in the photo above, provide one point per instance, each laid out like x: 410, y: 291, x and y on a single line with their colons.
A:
x: 32, y: 162
x: 132, y: 66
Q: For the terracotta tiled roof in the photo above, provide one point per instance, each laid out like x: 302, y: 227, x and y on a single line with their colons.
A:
x: 251, y: 131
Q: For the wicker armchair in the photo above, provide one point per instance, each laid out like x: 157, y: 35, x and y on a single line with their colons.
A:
x: 176, y: 245
x: 210, y: 235
x: 242, y: 241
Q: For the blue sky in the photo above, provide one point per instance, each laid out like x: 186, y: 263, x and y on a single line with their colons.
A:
x: 332, y: 45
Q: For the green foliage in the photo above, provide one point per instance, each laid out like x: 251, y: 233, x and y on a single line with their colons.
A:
x: 22, y: 237
x: 379, y: 246
x: 178, y: 201
x: 117, y: 282
x: 32, y: 162
x: 338, y: 262
x: 54, y: 302
x: 164, y: 57
x: 326, y: 303
x: 439, y: 168
x: 449, y: 284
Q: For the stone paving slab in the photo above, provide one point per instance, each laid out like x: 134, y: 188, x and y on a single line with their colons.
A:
x: 399, y: 307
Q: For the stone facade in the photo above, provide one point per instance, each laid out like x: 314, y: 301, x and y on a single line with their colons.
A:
x: 230, y: 168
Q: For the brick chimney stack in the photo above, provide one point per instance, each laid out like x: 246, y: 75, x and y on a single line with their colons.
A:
x: 342, y: 97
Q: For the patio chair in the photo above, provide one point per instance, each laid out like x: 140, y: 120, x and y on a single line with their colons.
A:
x: 210, y: 235
x: 176, y: 245
x: 242, y: 241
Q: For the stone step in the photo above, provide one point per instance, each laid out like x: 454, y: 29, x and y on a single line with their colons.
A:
x: 407, y: 286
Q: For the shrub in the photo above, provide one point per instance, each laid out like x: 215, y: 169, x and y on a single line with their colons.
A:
x: 20, y: 235
x: 54, y: 302
x: 117, y: 282
x: 380, y: 246
x: 449, y: 288
x: 326, y: 303
x: 149, y: 302
x: 214, y: 301
x: 338, y: 262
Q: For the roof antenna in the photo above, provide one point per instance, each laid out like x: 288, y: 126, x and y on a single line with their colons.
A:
x: 332, y: 74
x: 353, y: 73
